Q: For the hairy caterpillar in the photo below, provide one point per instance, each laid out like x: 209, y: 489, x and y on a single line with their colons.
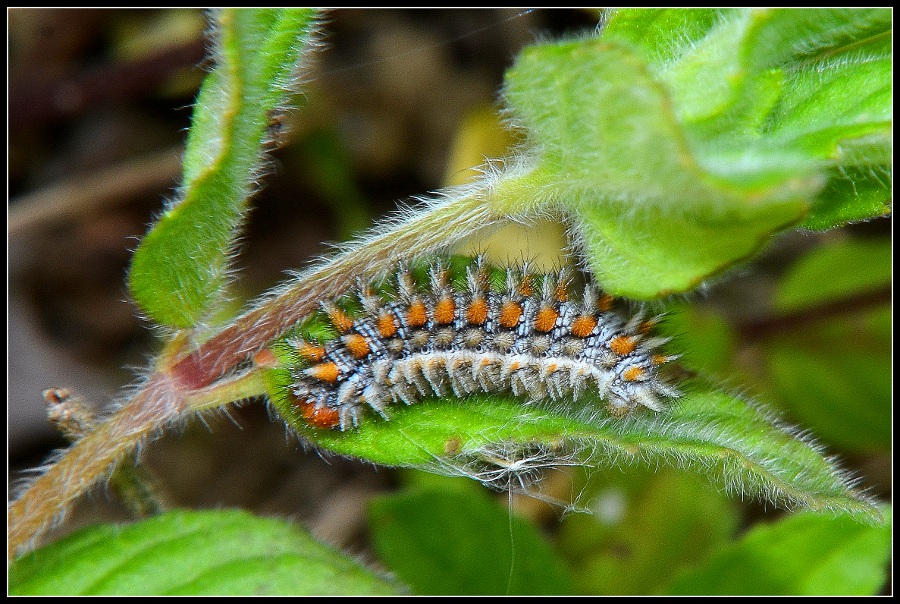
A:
x: 459, y: 327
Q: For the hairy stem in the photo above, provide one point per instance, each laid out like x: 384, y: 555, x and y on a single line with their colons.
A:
x: 96, y: 455
x: 93, y: 457
x: 438, y: 226
x: 188, y: 384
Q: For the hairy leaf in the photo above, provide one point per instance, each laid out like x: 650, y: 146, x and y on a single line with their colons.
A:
x: 733, y: 443
x: 680, y: 141
x: 180, y: 267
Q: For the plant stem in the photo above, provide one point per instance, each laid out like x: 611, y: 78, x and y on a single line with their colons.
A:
x: 188, y: 384
x: 436, y: 227
x: 49, y: 496
x: 94, y: 457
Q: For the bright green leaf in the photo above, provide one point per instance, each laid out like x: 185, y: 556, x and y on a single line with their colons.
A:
x: 180, y: 267
x: 651, y: 218
x: 193, y: 553
x: 453, y: 542
x: 852, y: 195
x: 803, y: 554
x: 681, y: 140
x: 493, y: 439
x: 661, y: 35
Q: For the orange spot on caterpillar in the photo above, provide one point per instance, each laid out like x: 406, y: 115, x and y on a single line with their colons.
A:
x: 510, y: 313
x: 416, y: 314
x: 632, y: 374
x: 444, y: 311
x: 310, y: 352
x: 317, y: 417
x: 341, y: 321
x: 386, y: 325
x: 622, y: 345
x: 583, y: 326
x: 477, y: 312
x: 357, y: 344
x: 326, y: 372
x: 546, y: 319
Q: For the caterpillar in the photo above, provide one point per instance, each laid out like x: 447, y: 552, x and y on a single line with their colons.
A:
x: 459, y: 327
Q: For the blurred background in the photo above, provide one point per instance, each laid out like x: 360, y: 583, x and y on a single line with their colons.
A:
x: 398, y: 103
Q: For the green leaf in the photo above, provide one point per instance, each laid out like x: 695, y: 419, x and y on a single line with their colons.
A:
x: 179, y: 269
x: 835, y: 374
x: 225, y: 552
x: 645, y: 526
x: 454, y: 542
x: 731, y: 442
x: 651, y: 218
x: 852, y: 195
x: 831, y: 272
x: 802, y: 554
x: 680, y: 141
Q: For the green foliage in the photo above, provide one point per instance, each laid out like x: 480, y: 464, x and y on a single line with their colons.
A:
x: 460, y: 542
x: 193, y: 553
x: 802, y: 554
x: 179, y: 270
x: 715, y: 434
x: 828, y: 364
x: 681, y: 140
x: 644, y: 527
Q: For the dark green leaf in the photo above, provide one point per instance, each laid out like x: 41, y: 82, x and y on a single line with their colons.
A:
x: 456, y: 542
x: 643, y: 528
